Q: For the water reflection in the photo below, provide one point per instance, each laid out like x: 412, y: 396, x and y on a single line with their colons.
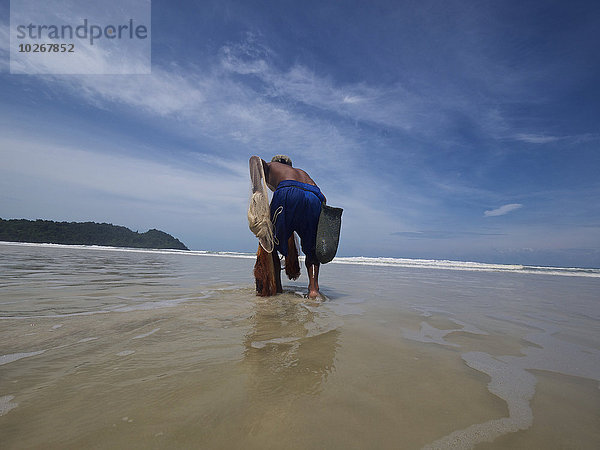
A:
x: 290, y: 348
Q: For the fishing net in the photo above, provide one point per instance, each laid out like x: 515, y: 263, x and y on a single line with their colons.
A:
x: 292, y: 266
x: 259, y: 214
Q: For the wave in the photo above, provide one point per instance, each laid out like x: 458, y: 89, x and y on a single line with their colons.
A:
x: 135, y: 250
x: 361, y: 260
x: 467, y: 266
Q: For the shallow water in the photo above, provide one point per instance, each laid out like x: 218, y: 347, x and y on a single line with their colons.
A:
x: 118, y: 349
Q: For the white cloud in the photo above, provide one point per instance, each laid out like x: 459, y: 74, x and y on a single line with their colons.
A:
x: 4, y: 39
x: 206, y: 102
x: 220, y: 103
x: 121, y: 176
x: 504, y: 209
x: 351, y: 99
x: 217, y: 102
x: 211, y: 104
x: 106, y: 56
x: 536, y: 138
x: 203, y: 204
x: 388, y: 106
x: 533, y: 138
x: 4, y: 48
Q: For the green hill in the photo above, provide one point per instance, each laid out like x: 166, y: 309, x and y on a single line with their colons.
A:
x: 87, y: 233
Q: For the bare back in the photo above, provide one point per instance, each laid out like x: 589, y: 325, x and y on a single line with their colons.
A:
x: 276, y: 172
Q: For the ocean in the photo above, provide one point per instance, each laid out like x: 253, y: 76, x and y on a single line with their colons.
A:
x: 128, y: 348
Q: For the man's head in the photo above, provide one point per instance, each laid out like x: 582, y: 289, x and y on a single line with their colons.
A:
x: 284, y: 159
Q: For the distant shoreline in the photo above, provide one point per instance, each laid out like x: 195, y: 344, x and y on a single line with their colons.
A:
x: 84, y: 233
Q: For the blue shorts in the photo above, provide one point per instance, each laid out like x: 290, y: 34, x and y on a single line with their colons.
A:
x: 296, y: 207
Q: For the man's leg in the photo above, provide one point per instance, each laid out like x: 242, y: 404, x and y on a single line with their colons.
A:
x: 312, y: 267
x: 277, y: 267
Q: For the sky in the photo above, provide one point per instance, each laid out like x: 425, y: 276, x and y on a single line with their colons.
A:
x: 445, y: 129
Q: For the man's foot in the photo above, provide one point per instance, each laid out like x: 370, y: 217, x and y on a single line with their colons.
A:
x: 313, y: 294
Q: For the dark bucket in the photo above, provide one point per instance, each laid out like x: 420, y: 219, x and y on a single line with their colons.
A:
x: 328, y: 233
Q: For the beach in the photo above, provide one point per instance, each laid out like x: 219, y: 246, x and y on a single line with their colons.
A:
x: 122, y: 348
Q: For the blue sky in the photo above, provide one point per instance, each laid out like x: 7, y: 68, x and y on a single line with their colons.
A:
x: 445, y: 129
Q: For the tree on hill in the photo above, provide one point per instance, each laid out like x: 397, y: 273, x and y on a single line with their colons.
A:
x: 87, y: 233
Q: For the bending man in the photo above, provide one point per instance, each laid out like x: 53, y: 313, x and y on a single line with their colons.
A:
x: 295, y: 206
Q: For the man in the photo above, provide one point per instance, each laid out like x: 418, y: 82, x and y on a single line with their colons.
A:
x: 296, y: 206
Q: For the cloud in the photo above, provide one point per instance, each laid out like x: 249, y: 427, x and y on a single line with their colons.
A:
x: 536, y: 138
x: 246, y: 104
x: 203, y: 203
x: 442, y: 234
x: 389, y: 105
x: 213, y: 103
x: 106, y: 56
x: 246, y: 101
x: 4, y: 48
x: 128, y: 177
x: 504, y: 209
x: 532, y: 138
x: 220, y: 105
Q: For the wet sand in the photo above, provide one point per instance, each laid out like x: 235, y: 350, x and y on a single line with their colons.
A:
x: 116, y: 349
